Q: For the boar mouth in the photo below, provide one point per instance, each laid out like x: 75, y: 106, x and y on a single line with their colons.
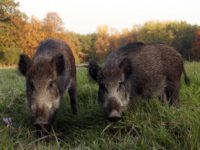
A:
x: 113, y: 109
x: 114, y: 119
x: 42, y: 130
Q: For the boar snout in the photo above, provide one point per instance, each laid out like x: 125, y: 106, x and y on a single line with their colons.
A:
x: 41, y: 123
x: 42, y: 120
x: 42, y: 126
x: 114, y: 116
x: 113, y: 109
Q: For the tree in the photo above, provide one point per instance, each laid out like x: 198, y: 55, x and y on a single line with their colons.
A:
x: 196, y: 48
x: 183, y: 38
x: 153, y: 32
x: 10, y: 19
x: 52, y: 23
x: 31, y: 35
x: 8, y: 9
x: 87, y: 47
x: 102, y: 41
x: 180, y: 35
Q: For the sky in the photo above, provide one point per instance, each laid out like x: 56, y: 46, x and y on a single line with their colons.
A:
x: 83, y: 16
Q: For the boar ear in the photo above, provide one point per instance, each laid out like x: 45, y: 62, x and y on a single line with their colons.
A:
x: 58, y: 63
x: 93, y: 69
x: 126, y: 67
x: 24, y: 64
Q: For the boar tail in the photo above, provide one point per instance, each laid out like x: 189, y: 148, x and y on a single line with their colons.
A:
x: 186, y: 79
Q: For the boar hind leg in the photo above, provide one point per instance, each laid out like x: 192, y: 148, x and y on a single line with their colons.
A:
x: 163, y: 98
x: 73, y: 96
x: 172, y: 93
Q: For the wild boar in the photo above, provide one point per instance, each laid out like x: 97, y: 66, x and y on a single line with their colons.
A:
x: 137, y: 71
x: 50, y: 72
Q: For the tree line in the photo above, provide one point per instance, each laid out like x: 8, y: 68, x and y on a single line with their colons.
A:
x: 21, y: 34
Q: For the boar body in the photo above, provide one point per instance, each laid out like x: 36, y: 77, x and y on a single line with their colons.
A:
x: 135, y: 72
x: 50, y: 72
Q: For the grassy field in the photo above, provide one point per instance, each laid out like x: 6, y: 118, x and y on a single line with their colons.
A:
x: 149, y: 126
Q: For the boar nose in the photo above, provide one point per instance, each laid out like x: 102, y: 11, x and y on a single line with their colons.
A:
x: 40, y: 123
x: 40, y: 120
x: 40, y: 116
x: 114, y: 116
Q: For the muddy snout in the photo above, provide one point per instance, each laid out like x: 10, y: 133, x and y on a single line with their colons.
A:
x: 114, y: 110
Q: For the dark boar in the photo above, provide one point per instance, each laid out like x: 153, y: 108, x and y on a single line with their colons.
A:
x: 50, y: 72
x: 137, y: 71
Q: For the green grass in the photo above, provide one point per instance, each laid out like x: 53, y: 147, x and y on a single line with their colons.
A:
x: 150, y: 125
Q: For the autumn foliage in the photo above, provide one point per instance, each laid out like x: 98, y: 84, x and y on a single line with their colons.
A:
x: 20, y: 34
x: 196, y: 49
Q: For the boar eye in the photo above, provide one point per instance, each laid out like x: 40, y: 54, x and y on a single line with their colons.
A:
x: 31, y: 86
x: 103, y: 87
x: 121, y: 84
x: 51, y: 84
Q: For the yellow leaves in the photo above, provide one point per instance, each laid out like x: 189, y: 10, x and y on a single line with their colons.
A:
x: 102, y: 42
x: 35, y: 31
x: 30, y: 36
x: 53, y: 23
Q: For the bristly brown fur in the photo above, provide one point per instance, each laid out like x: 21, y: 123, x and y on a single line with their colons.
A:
x: 154, y: 70
x: 50, y: 72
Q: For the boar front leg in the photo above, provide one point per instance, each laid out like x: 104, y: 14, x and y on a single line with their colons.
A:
x: 172, y: 93
x: 163, y: 98
x: 73, y: 96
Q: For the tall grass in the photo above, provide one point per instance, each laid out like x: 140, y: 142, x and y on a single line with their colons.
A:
x: 150, y: 125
